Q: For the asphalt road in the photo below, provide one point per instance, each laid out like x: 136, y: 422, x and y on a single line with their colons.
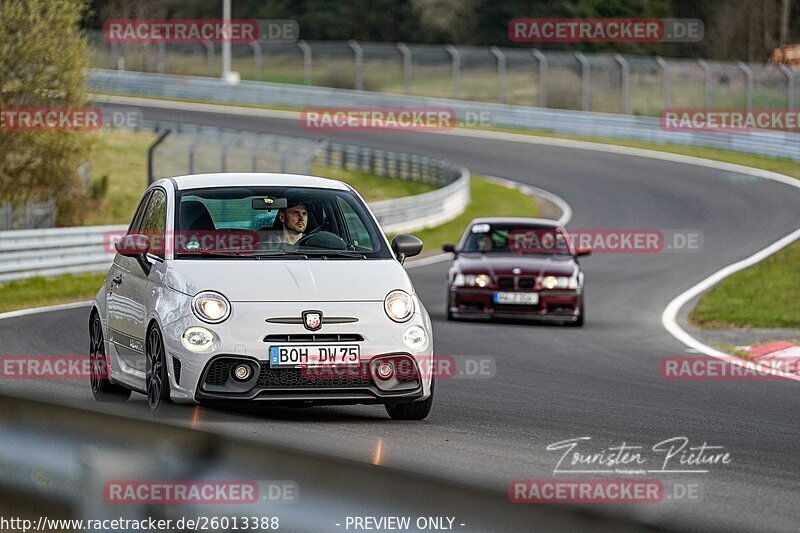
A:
x: 552, y: 383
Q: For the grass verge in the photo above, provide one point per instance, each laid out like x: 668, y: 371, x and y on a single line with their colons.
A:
x: 766, y: 295
x: 39, y: 292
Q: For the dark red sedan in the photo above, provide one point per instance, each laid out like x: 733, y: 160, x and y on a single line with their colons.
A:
x: 516, y: 268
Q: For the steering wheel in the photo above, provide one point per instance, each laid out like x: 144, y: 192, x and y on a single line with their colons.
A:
x: 322, y: 239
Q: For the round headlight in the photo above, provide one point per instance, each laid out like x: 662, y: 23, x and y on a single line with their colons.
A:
x: 211, y: 307
x: 197, y: 339
x: 399, y: 306
x: 550, y: 282
x: 415, y: 338
x: 482, y: 280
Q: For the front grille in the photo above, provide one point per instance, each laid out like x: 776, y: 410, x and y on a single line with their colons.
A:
x: 315, y: 337
x: 219, y: 372
x: 176, y: 364
x: 505, y: 282
x: 309, y: 377
x: 526, y: 282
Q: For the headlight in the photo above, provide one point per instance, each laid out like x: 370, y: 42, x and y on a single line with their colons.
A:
x: 472, y: 280
x: 399, y: 306
x: 560, y: 282
x: 211, y: 307
x: 415, y: 338
x: 197, y: 339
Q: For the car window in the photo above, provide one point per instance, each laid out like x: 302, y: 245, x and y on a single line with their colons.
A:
x: 154, y: 222
x: 137, y: 216
x: 273, y: 221
x: 355, y: 227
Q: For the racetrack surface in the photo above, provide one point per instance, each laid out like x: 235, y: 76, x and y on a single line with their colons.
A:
x: 552, y: 383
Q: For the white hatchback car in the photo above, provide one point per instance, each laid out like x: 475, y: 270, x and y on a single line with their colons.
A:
x: 261, y: 287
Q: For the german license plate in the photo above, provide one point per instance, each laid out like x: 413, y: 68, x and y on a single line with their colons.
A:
x: 316, y: 355
x: 521, y: 298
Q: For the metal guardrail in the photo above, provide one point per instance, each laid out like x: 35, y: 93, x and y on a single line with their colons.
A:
x: 615, y: 83
x: 57, y: 460
x: 51, y: 252
x: 773, y: 144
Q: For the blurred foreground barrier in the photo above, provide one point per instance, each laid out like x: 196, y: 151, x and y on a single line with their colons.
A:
x: 65, y: 462
x: 618, y: 126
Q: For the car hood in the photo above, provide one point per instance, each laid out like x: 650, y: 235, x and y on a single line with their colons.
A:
x: 529, y: 265
x: 290, y: 280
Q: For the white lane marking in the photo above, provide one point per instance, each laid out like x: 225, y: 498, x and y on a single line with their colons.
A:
x: 37, y: 310
x: 669, y: 317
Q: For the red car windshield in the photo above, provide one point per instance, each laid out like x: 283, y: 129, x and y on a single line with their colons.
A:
x: 491, y: 238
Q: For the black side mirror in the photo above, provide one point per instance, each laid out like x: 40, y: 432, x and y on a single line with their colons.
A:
x: 449, y: 247
x: 406, y: 246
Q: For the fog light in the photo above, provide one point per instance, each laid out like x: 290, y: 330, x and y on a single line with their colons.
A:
x: 385, y: 370
x: 242, y: 372
x: 197, y: 339
x: 415, y: 338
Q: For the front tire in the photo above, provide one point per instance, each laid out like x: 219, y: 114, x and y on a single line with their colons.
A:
x: 102, y: 389
x: 156, y: 378
x: 412, y: 410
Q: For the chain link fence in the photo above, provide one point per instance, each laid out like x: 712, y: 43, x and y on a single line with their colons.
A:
x: 31, y: 215
x: 640, y: 85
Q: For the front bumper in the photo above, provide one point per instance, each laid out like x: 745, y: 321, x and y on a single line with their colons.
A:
x: 478, y: 303
x: 243, y: 338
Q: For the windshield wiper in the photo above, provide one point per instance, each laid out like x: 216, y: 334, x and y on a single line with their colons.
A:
x: 336, y: 253
x: 212, y: 255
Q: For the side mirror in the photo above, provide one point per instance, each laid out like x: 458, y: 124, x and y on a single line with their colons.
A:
x: 583, y: 251
x: 406, y: 246
x: 133, y: 245
x: 449, y: 247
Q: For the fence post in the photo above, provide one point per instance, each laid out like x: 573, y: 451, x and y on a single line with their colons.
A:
x: 542, y: 59
x: 501, y: 73
x: 150, y: 151
x: 5, y: 216
x: 306, y: 61
x: 257, y: 58
x: 358, y: 63
x: 585, y: 73
x: 709, y: 83
x: 665, y: 80
x: 789, y: 86
x: 749, y: 75
x: 162, y: 57
x: 405, y: 52
x: 455, y: 69
x: 209, y: 57
x: 625, y: 71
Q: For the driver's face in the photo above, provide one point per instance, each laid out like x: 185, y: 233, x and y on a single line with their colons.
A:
x: 296, y: 218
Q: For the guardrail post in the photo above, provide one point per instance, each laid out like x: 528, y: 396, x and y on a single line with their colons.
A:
x: 162, y: 57
x: 709, y: 83
x: 625, y: 72
x: 789, y: 73
x: 358, y: 63
x: 405, y: 52
x: 542, y: 60
x: 748, y: 72
x: 306, y: 61
x: 455, y: 58
x: 150, y: 151
x: 665, y: 80
x: 501, y: 73
x: 585, y: 73
x: 209, y: 57
x: 257, y: 58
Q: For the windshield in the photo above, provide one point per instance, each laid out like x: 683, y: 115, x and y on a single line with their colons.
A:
x: 516, y: 238
x: 263, y: 222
